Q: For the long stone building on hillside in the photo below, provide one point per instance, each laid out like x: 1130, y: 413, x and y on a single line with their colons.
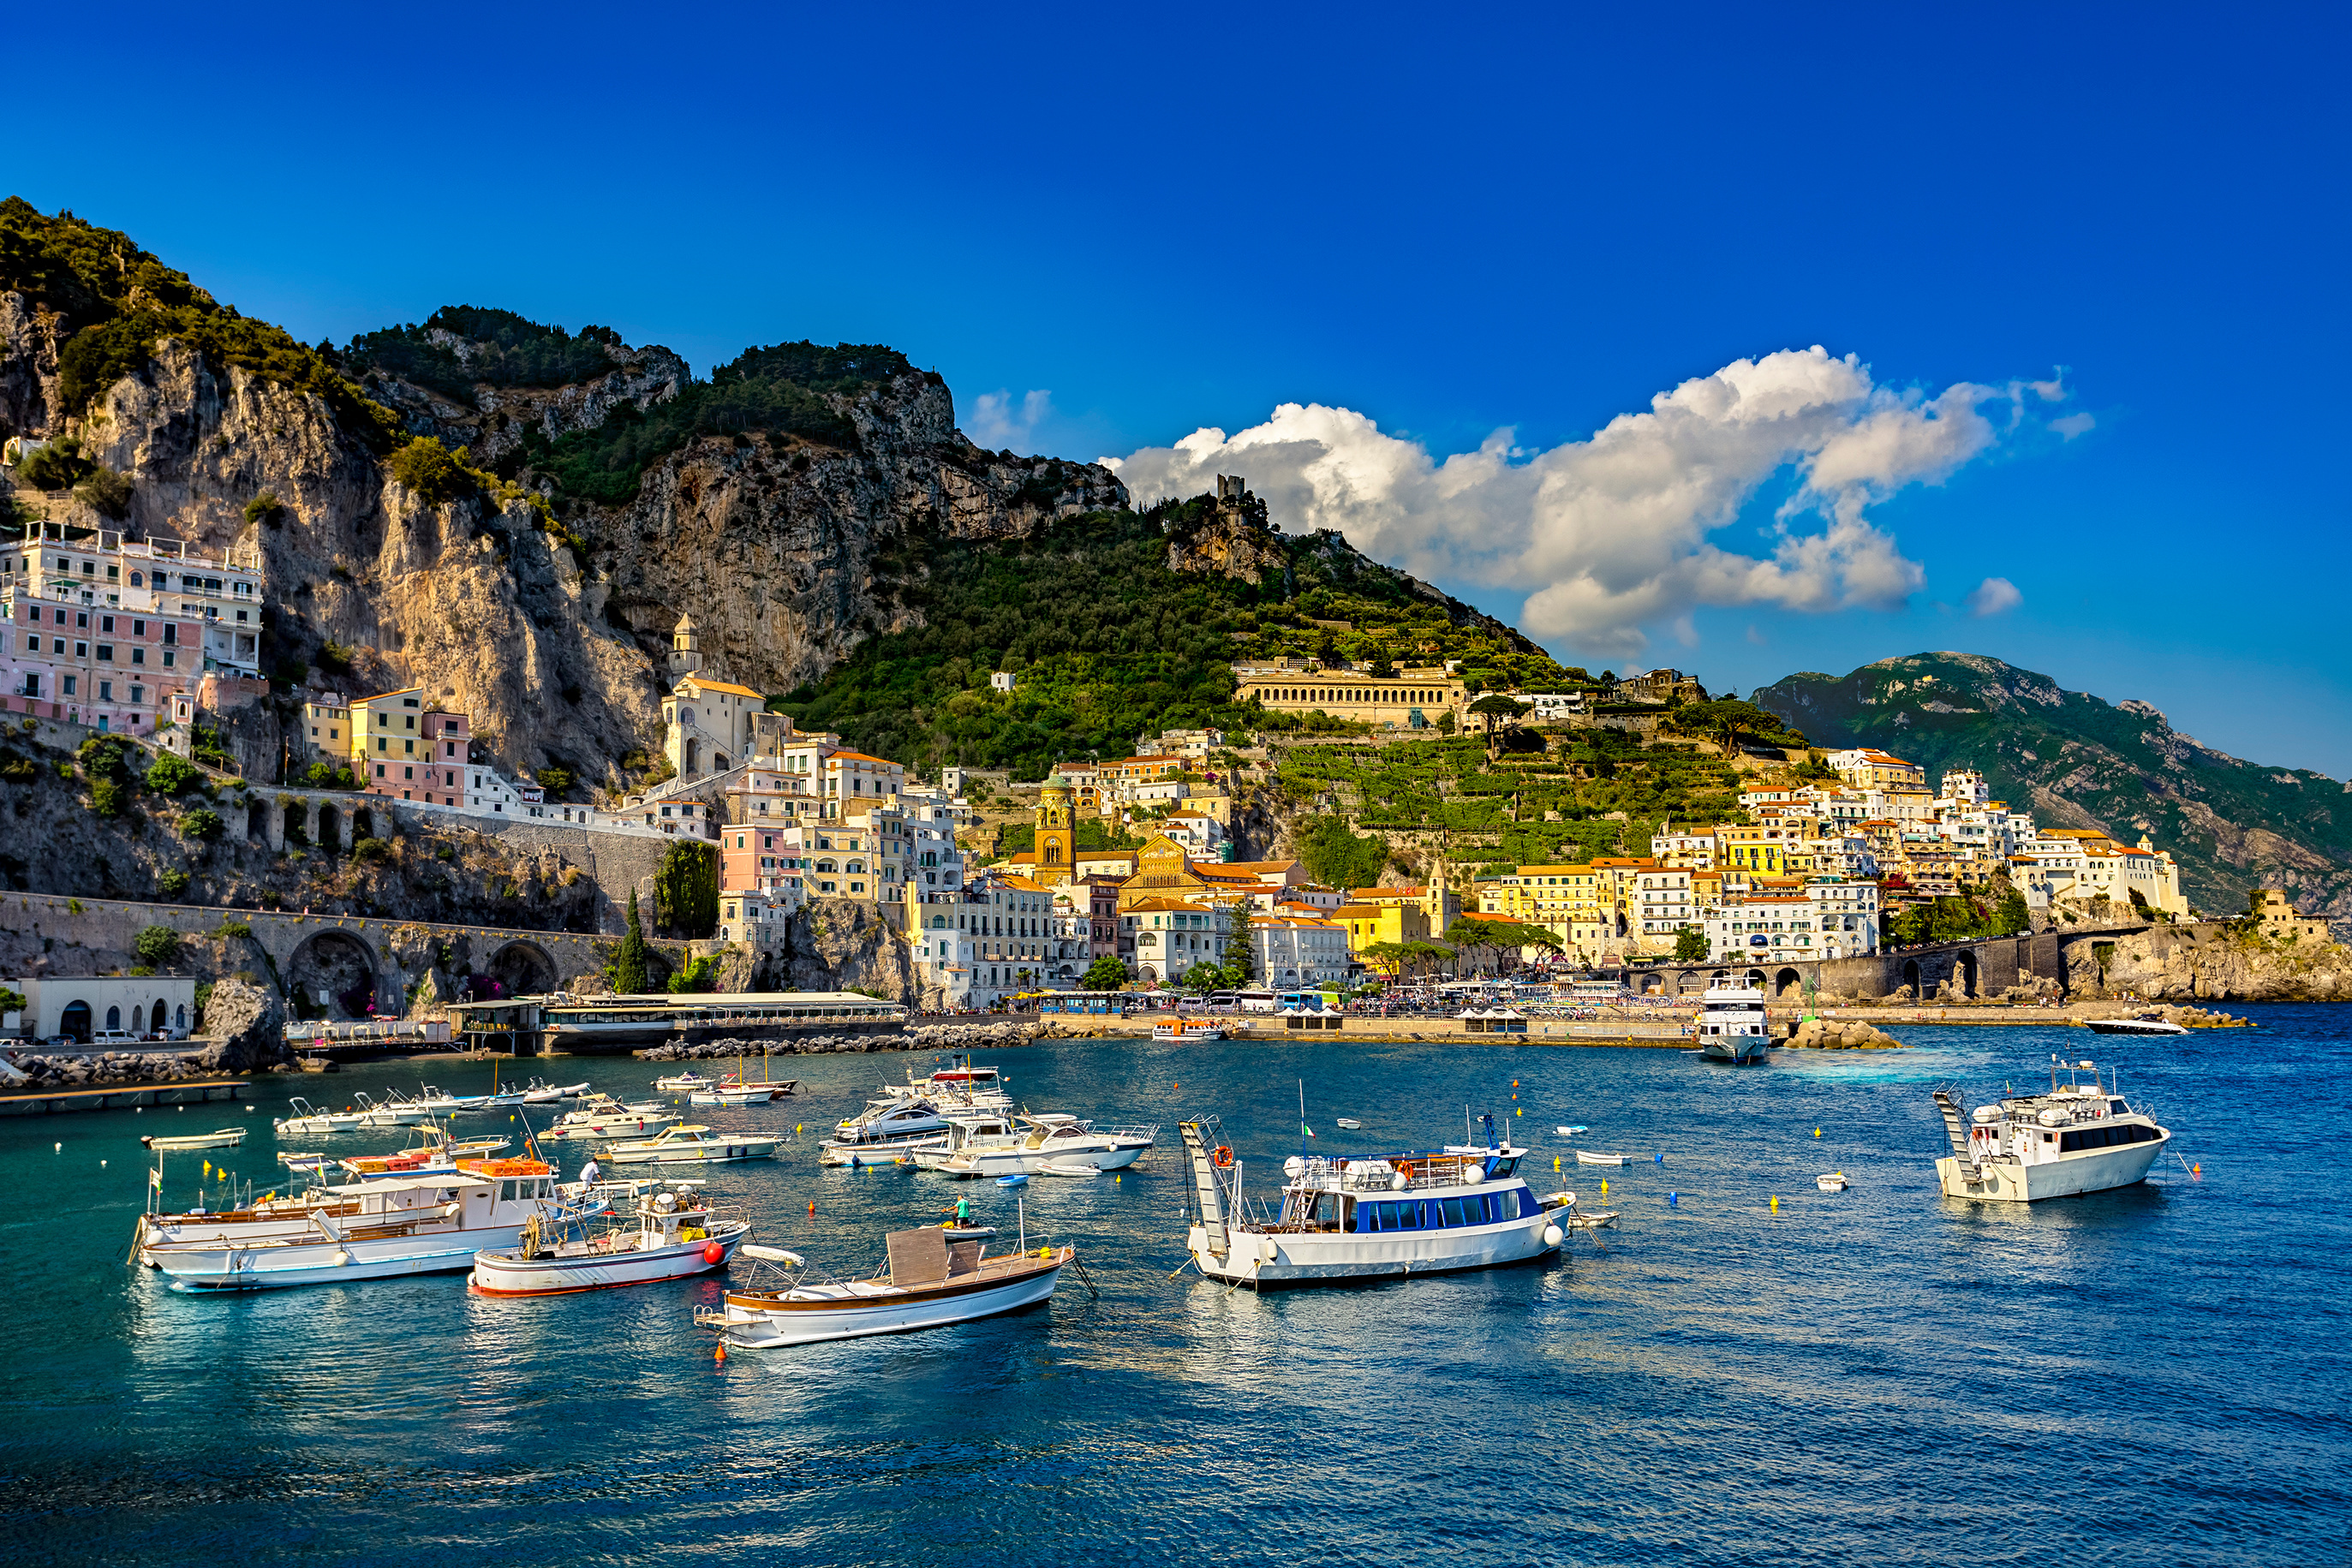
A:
x: 1412, y: 699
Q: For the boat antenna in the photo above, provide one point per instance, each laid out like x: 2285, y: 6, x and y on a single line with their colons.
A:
x: 1021, y: 1209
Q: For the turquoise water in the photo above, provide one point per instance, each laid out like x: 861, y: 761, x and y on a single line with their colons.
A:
x: 2153, y: 1376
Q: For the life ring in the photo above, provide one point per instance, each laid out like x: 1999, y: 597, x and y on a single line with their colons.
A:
x: 1223, y: 1157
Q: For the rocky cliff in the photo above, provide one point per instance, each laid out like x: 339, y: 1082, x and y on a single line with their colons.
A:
x: 2078, y: 761
x: 543, y: 613
x: 2211, y: 961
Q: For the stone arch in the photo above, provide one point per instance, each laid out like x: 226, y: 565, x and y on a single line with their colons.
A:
x: 1964, y: 973
x: 689, y: 758
x: 1754, y: 979
x: 363, y: 823
x: 75, y: 1021
x: 159, y: 1019
x: 1786, y: 981
x: 1911, y: 976
x: 524, y: 968
x: 329, y: 826
x: 333, y: 975
x: 257, y: 819
x: 293, y: 823
x: 114, y: 1017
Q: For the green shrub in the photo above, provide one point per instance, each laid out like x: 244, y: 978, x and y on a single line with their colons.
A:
x: 371, y: 850
x: 556, y: 781
x: 105, y: 491
x: 230, y: 930
x: 201, y: 823
x: 266, y: 508
x: 157, y: 945
x: 60, y: 466
x: 106, y: 796
x: 700, y: 974
x: 172, y: 882
x: 508, y: 351
x: 170, y: 775
x: 1338, y: 858
x: 431, y: 470
x: 686, y: 890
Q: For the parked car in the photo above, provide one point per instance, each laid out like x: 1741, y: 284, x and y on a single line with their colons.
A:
x: 107, y: 1038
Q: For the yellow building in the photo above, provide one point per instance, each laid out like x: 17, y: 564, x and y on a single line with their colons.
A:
x: 1412, y: 699
x: 1865, y: 768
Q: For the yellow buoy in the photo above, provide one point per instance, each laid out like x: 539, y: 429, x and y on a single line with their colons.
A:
x: 1817, y: 1132
x: 1555, y: 1162
x: 1776, y: 1206
x: 1605, y: 1187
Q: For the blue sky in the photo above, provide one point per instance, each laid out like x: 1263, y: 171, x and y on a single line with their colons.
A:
x: 1448, y: 224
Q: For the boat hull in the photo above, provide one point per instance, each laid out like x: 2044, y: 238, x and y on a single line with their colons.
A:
x: 723, y: 1152
x: 1272, y: 1259
x: 767, y: 1328
x: 503, y: 1274
x: 2131, y: 1026
x: 277, y: 1268
x: 1030, y: 1162
x: 880, y: 1153
x: 2071, y: 1176
x: 1736, y: 1050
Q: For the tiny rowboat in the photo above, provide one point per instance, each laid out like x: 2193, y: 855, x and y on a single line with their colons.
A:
x: 1569, y: 1129
x: 1835, y: 1181
x: 220, y: 1138
x: 1071, y: 1170
x: 1352, y: 1125
x: 1586, y: 1157
x: 930, y: 1283
x: 1018, y: 1178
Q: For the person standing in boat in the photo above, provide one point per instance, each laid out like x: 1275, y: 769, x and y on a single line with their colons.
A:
x: 963, y: 1212
x: 589, y: 1173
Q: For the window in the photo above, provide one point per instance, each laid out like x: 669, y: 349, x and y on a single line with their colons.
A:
x: 171, y: 636
x: 69, y: 685
x: 106, y: 691
x: 139, y: 693
x: 137, y: 656
x: 106, y: 623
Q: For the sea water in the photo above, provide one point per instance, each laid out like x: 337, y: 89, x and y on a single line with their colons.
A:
x: 2158, y: 1376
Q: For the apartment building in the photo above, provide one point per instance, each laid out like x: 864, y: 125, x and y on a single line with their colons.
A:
x: 404, y: 748
x: 1291, y: 952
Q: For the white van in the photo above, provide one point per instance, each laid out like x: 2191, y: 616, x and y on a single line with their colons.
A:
x: 113, y: 1036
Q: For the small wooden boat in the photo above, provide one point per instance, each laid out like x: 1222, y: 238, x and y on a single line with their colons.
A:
x: 930, y: 1283
x: 1018, y: 1178
x: 220, y: 1138
x: 693, y: 1143
x: 1586, y: 1157
x: 737, y: 1095
x: 1060, y: 1169
x: 966, y: 1232
x: 1835, y: 1181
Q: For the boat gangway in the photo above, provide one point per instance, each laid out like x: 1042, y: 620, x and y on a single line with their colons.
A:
x: 117, y: 1097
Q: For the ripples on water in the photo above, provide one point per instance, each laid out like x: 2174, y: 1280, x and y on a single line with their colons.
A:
x: 2157, y: 1376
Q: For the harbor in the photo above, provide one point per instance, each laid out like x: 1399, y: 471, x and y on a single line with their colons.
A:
x: 1731, y: 1262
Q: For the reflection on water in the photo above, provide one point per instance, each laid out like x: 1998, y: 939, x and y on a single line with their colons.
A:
x: 1876, y: 1375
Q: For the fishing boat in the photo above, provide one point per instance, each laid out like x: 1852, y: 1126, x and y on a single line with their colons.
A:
x: 1831, y: 1181
x: 930, y: 1282
x: 1040, y: 1145
x: 681, y: 1083
x: 673, y: 1234
x: 2080, y: 1137
x: 1587, y: 1158
x: 1415, y: 1212
x: 693, y: 1143
x: 373, y: 1231
x: 219, y: 1138
x: 1187, y: 1030
x: 1732, y: 1025
x: 2146, y: 1023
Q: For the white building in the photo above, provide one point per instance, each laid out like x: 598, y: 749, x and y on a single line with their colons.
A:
x: 981, y: 944
x: 1293, y: 953
x: 1658, y: 904
x: 1829, y: 920
x: 140, y: 1005
x: 1169, y: 937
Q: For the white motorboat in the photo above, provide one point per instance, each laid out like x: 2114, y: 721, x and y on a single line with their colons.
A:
x: 1041, y: 1145
x: 2078, y: 1138
x: 309, y: 1121
x: 540, y: 1093
x: 969, y: 1129
x: 737, y: 1095
x: 397, y: 1111
x: 1586, y: 1157
x: 1351, y: 1123
x: 682, y: 1082
x: 2146, y: 1023
x: 1732, y: 1025
x: 1422, y: 1212
x: 930, y: 1282
x: 1569, y: 1129
x: 884, y: 1130
x: 673, y: 1234
x: 610, y: 1119
x: 220, y: 1138
x: 693, y: 1143
x: 1831, y: 1181
x: 414, y: 1225
x: 959, y: 1086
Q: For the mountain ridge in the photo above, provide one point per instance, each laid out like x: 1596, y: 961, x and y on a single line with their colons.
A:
x: 2078, y: 760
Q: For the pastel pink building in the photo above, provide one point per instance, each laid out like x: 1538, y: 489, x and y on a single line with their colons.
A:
x: 103, y: 628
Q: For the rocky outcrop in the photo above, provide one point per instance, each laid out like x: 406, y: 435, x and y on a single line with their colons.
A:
x: 1835, y: 1034
x: 246, y: 1024
x: 843, y: 944
x: 2210, y: 963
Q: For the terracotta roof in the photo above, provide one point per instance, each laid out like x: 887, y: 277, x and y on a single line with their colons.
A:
x: 723, y: 686
x: 860, y: 756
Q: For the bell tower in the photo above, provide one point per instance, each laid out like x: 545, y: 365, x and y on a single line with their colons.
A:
x: 1056, y: 845
x: 685, y: 649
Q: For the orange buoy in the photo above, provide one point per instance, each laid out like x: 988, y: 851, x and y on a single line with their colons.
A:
x: 722, y: 1350
x: 812, y: 1206
x: 713, y: 1253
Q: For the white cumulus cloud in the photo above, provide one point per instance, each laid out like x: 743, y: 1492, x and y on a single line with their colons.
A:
x: 1993, y: 595
x: 997, y: 422
x: 1612, y: 535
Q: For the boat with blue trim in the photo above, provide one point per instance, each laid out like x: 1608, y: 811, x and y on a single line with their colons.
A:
x: 1415, y: 1212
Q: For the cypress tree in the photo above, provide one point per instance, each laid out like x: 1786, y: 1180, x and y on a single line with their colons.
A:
x: 629, y: 964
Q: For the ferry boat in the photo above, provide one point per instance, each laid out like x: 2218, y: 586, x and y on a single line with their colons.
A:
x: 1732, y: 1026
x: 379, y: 1230
x: 1420, y: 1212
x: 1184, y: 1030
x: 673, y: 1234
x: 931, y: 1280
x: 2078, y: 1138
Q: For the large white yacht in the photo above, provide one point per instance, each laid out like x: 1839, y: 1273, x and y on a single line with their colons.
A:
x: 2079, y: 1137
x: 1732, y: 1026
x: 1426, y: 1212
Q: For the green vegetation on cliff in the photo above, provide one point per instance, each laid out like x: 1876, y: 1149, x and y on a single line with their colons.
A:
x: 2075, y: 760
x: 502, y: 349
x: 117, y: 303
x: 1108, y: 642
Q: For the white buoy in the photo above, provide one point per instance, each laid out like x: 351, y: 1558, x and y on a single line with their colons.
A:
x: 1551, y: 1236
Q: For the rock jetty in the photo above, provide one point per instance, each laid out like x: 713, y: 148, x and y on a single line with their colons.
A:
x: 920, y: 1037
x: 1841, y: 1034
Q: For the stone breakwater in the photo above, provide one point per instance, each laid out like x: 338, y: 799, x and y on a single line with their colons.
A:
x: 111, y: 1068
x: 1836, y: 1034
x: 921, y: 1037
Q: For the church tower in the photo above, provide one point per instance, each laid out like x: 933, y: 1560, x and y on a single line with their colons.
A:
x: 1056, y: 844
x: 685, y: 649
